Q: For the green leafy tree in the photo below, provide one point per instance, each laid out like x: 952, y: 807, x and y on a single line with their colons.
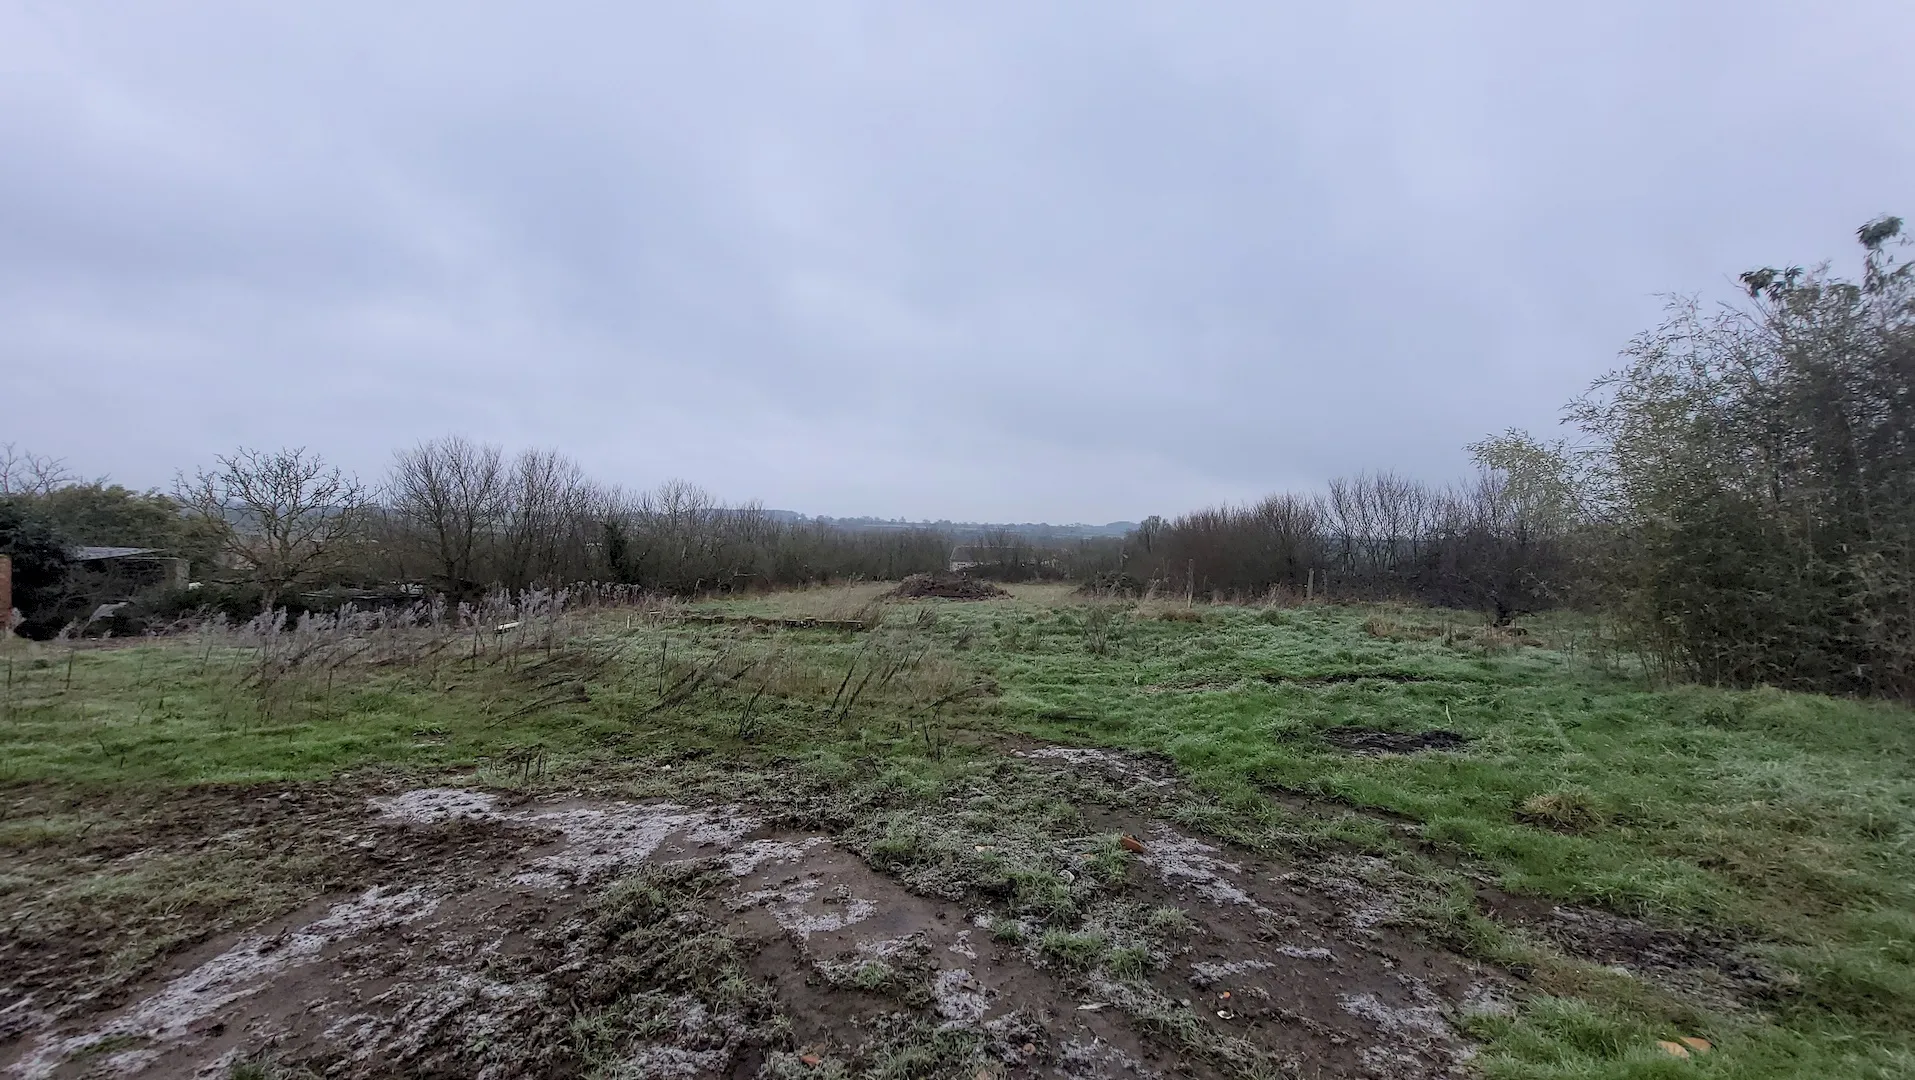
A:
x: 113, y: 516
x: 40, y: 567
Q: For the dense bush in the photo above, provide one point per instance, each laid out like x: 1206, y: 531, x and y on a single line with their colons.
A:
x: 109, y: 515
x: 41, y: 578
x: 1752, y: 481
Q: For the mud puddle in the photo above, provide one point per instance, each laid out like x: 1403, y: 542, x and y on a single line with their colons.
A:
x: 1704, y: 965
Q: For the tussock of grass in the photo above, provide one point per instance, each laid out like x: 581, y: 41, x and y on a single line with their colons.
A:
x: 1574, y: 810
x: 1074, y: 951
x: 1389, y: 629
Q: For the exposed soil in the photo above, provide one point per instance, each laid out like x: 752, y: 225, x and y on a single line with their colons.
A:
x: 1337, y: 678
x: 1364, y: 740
x: 1123, y: 769
x: 498, y: 935
x: 945, y: 587
x: 290, y: 843
x: 462, y: 933
x: 1702, y: 964
x: 1311, y: 967
x: 1705, y: 965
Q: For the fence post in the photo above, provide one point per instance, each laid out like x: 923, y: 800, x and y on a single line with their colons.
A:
x: 6, y: 595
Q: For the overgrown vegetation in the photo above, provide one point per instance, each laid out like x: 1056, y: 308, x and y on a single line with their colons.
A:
x: 1752, y: 482
x: 1779, y: 820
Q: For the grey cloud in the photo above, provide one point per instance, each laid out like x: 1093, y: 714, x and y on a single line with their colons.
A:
x: 1072, y: 261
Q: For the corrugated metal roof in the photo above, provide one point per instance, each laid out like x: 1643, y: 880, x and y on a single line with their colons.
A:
x: 93, y: 554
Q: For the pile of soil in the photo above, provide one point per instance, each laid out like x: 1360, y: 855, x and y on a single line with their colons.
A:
x: 945, y: 587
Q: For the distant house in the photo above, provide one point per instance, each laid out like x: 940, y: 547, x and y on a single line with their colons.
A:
x: 963, y: 557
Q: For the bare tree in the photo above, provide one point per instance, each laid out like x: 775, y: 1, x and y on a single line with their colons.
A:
x: 450, y: 495
x: 549, y: 512
x: 680, y: 520
x: 286, y: 515
x: 23, y: 472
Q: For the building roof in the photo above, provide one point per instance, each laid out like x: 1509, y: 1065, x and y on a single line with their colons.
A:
x: 94, y: 554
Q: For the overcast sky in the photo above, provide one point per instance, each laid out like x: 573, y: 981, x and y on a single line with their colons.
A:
x: 1019, y: 261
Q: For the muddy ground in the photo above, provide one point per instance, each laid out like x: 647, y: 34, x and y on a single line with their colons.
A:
x: 449, y: 931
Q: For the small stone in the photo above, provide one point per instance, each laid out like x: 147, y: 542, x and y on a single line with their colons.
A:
x: 1699, y: 1045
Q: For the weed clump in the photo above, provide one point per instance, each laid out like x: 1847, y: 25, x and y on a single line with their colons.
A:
x: 1573, y: 811
x: 1103, y: 627
x: 1387, y: 629
x: 1113, y: 583
x: 1073, y: 951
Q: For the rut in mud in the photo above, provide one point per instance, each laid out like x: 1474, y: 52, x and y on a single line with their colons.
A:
x: 659, y: 940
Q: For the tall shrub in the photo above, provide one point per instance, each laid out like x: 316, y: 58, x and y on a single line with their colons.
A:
x: 1754, y: 469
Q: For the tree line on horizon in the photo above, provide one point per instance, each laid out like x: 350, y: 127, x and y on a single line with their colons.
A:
x: 1738, y: 498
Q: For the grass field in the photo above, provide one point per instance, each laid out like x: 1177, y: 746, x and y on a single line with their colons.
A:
x: 1772, y: 833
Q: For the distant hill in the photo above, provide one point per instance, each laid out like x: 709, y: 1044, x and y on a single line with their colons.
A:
x: 1036, y: 530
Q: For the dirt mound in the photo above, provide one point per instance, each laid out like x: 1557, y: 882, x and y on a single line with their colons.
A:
x: 945, y: 587
x: 1372, y: 741
x: 654, y: 939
